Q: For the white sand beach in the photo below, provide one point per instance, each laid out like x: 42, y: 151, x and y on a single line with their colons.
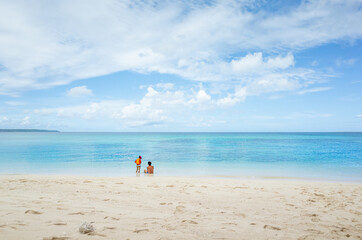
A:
x: 54, y: 207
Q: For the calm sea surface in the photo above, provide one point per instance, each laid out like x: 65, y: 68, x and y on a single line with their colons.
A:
x: 329, y: 156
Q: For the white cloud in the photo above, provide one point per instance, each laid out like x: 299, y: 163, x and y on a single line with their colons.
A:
x: 92, y: 110
x: 79, y: 91
x: 239, y: 96
x: 157, y: 107
x: 269, y: 82
x: 281, y: 62
x: 45, y: 44
x: 312, y: 90
x: 14, y: 103
x: 344, y: 62
x: 166, y: 86
x: 201, y: 97
x: 151, y: 92
x: 360, y: 116
x: 247, y: 63
x: 228, y: 101
x: 25, y: 121
x: 3, y: 119
x: 255, y: 62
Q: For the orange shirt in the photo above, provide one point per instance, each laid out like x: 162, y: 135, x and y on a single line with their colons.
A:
x: 138, y: 161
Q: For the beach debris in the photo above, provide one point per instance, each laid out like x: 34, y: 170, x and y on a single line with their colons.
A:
x: 86, y: 228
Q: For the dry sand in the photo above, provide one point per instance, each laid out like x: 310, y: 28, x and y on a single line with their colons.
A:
x: 53, y: 207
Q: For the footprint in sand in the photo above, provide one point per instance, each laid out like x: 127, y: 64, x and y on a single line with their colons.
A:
x: 77, y: 213
x: 272, y: 227
x: 179, y: 209
x: 112, y: 218
x: 240, y: 215
x: 190, y: 221
x: 163, y: 203
x: 319, y: 195
x: 141, y: 230
x: 55, y: 238
x: 33, y: 212
x: 314, y: 231
x: 230, y: 223
x: 306, y: 237
x: 314, y: 217
x: 109, y: 228
x: 96, y: 234
x: 60, y: 224
x: 169, y: 227
x: 170, y: 185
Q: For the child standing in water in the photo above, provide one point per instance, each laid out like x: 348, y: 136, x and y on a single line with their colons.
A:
x: 138, y: 163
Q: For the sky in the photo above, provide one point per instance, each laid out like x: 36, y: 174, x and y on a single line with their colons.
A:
x: 181, y: 66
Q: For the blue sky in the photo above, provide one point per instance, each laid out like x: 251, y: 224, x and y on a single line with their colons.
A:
x: 181, y: 65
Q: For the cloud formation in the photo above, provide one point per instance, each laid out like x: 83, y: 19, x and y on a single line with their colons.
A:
x: 313, y: 90
x: 46, y: 44
x: 158, y: 105
x: 79, y: 91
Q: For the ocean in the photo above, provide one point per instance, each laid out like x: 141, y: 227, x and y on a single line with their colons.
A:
x: 315, y: 156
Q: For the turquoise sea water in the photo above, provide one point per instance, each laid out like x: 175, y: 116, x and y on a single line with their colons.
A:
x: 329, y: 156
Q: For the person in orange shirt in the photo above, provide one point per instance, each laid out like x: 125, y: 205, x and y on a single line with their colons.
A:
x: 138, y: 163
x: 149, y: 169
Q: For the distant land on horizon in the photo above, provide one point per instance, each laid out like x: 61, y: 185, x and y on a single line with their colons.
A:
x: 43, y: 130
x: 27, y: 130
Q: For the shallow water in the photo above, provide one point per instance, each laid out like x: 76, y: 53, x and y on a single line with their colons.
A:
x: 329, y: 156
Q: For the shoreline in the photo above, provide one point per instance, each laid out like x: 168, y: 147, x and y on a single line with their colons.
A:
x: 211, y: 176
x: 158, y: 207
